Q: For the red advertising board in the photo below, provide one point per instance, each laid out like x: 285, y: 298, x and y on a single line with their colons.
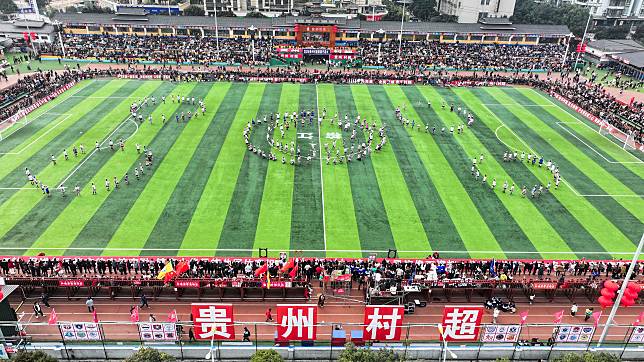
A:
x: 544, y: 285
x: 461, y: 323
x: 383, y: 322
x: 297, y: 322
x: 213, y: 321
x: 71, y: 283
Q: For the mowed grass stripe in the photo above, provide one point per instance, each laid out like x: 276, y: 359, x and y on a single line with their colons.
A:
x: 273, y: 230
x: 307, y: 230
x: 611, y: 146
x: 609, y: 222
x: 415, y: 152
x: 92, y: 219
x: 482, y: 221
x: 535, y: 225
x: 631, y: 174
x: 460, y: 150
x: 585, y: 164
x: 240, y: 225
x: 171, y: 161
x: 81, y: 112
x: 175, y: 218
x: 49, y: 209
x: 405, y: 223
x: 21, y: 202
x: 549, y: 205
x: 67, y: 220
x: 39, y: 161
x: 44, y: 117
x: 209, y: 217
x: 340, y: 214
x: 373, y: 224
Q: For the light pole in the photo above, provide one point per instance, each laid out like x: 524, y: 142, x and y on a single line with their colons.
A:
x: 583, y: 39
x: 252, y: 30
x: 216, y: 30
x: 381, y: 37
x: 402, y: 23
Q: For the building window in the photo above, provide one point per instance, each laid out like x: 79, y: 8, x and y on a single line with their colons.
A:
x: 483, y: 14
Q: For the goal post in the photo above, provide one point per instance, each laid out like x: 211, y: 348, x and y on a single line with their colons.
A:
x: 626, y: 139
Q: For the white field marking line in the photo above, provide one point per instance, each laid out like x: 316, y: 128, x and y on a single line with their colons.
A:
x: 597, y: 152
x: 67, y: 115
x: 518, y: 104
x: 95, y: 150
x: 27, y: 122
x: 591, y: 147
x: 104, y: 97
x: 483, y: 252
x: 533, y: 151
x: 47, y: 111
x: 317, y: 105
x: 577, y: 120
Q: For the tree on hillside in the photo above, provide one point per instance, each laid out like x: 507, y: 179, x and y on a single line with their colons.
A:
x: 611, y: 32
x: 423, y: 9
x: 529, y: 12
x: 8, y: 7
x: 36, y: 356
x: 266, y: 355
x: 353, y: 354
x: 588, y: 357
x: 639, y: 34
x: 149, y: 355
x: 194, y: 10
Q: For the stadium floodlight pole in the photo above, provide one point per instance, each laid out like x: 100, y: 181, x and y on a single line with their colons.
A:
x: 583, y: 38
x: 216, y: 30
x: 565, y: 57
x: 402, y: 23
x: 627, y: 278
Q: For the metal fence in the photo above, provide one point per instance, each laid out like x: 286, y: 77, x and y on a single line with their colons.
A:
x: 113, y: 340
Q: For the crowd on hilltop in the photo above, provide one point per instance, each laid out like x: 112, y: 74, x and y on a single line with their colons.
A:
x: 594, y: 98
x: 203, y: 50
x: 164, y: 49
x: 430, y: 269
x: 30, y: 89
x: 462, y: 56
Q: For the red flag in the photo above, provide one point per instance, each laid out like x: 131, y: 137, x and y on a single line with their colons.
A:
x: 596, y: 316
x: 169, y: 276
x: 288, y: 265
x: 94, y: 316
x: 293, y: 272
x: 261, y: 270
x: 53, y: 317
x: 181, y: 267
x: 524, y: 317
x: 134, y: 314
x: 639, y: 319
x: 559, y: 316
x: 172, y: 316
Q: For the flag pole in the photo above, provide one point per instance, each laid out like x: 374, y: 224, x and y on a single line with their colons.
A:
x: 627, y: 278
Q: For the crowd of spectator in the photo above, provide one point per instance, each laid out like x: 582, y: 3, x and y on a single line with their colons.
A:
x: 309, y: 270
x: 30, y: 89
x: 165, y: 49
x: 432, y: 54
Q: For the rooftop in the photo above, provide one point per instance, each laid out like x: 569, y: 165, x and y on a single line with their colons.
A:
x: 287, y: 22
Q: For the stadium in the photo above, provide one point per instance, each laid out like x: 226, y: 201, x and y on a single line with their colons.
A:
x: 198, y: 167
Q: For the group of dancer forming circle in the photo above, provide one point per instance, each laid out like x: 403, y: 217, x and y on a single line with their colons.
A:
x: 353, y: 139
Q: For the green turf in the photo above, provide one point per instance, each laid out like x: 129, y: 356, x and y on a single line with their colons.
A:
x: 207, y: 195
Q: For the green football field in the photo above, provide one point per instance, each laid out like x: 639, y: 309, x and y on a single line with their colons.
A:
x: 206, y: 195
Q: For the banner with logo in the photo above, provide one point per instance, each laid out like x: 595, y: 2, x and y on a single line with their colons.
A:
x: 297, y: 322
x: 160, y: 332
x: 575, y: 333
x: 80, y: 331
x: 500, y: 333
x: 213, y: 321
x: 461, y: 323
x: 383, y: 322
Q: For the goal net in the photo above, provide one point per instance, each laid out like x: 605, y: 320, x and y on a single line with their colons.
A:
x: 625, y: 139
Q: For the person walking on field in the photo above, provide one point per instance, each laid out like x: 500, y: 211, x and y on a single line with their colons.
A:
x: 573, y: 309
x: 90, y: 304
x: 269, y: 315
x: 38, y: 310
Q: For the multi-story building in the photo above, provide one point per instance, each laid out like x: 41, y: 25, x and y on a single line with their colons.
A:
x: 612, y: 12
x: 470, y: 11
x: 348, y: 9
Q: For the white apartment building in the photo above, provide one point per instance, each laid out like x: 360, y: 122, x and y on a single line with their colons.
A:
x: 612, y: 12
x: 470, y: 11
